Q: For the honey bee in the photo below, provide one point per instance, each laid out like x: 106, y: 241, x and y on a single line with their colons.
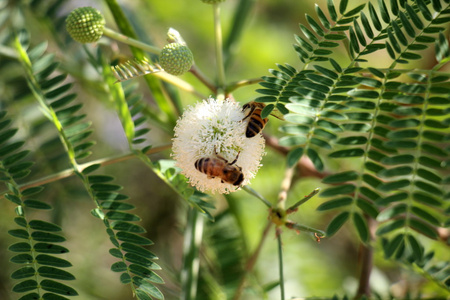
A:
x: 219, y: 167
x: 256, y: 123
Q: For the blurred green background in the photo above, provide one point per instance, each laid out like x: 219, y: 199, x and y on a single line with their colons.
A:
x: 311, y: 269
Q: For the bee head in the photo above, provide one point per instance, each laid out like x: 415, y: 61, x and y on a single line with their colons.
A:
x: 239, y: 180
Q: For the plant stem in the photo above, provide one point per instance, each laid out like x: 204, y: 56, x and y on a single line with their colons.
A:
x: 280, y: 261
x: 252, y: 261
x: 130, y: 41
x: 257, y: 195
x: 203, y: 79
x: 103, y: 162
x: 237, y: 84
x: 191, y: 262
x: 219, y: 49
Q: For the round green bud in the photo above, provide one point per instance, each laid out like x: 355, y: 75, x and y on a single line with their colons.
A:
x: 176, y: 58
x: 85, y: 24
x: 212, y: 1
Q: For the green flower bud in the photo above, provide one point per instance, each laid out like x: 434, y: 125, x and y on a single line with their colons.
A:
x: 85, y: 24
x: 212, y: 1
x: 176, y: 59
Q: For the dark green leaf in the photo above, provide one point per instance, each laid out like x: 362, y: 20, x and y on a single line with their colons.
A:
x: 338, y: 190
x: 55, y: 273
x: 398, y: 159
x: 57, y: 287
x: 315, y: 159
x: 129, y: 227
x: 395, y: 244
x: 32, y: 191
x: 322, y: 17
x: 367, y: 207
x: 423, y: 228
x: 391, y: 226
x: 356, y: 152
x: 343, y: 6
x: 23, y: 272
x: 22, y: 259
x: 398, y: 171
x: 145, y: 273
x: 133, y: 238
x: 426, y: 199
x: 36, y: 204
x: 341, y: 177
x: 392, y: 198
x: 25, y: 286
x: 137, y: 259
x: 425, y: 215
x: 119, y: 266
x: 91, y: 168
x: 352, y: 140
x: 48, y: 260
x: 337, y: 223
x: 392, y: 212
x: 293, y: 156
x: 416, y: 248
x: 428, y: 188
x: 335, y: 203
x: 332, y: 10
x: 50, y: 248
x: 20, y: 247
x: 430, y: 176
x: 19, y: 233
x: 44, y: 226
x: 147, y: 287
x: 137, y: 250
x: 394, y: 185
x: 361, y: 227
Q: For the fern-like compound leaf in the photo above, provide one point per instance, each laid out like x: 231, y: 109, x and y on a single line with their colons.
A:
x: 36, y: 253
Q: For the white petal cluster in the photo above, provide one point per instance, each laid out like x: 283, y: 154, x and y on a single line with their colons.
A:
x: 215, y: 127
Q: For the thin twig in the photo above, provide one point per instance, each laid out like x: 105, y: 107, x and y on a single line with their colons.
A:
x: 103, y: 162
x: 203, y: 79
x: 280, y: 261
x: 285, y: 186
x: 219, y: 47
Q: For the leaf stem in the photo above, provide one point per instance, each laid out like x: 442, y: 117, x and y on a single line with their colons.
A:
x: 306, y: 198
x: 203, y: 79
x: 285, y: 185
x: 237, y: 84
x: 130, y: 41
x: 219, y: 48
x: 257, y: 195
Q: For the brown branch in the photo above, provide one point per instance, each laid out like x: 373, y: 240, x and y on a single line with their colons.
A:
x: 365, y: 258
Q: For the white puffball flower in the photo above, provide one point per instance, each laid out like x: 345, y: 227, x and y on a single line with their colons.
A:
x: 214, y: 128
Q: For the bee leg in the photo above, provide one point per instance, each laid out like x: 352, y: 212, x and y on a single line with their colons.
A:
x: 235, y: 160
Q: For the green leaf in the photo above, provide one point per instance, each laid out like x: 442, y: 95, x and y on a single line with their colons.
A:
x: 48, y: 260
x: 337, y: 223
x: 397, y: 171
x: 332, y: 10
x: 114, y: 205
x: 428, y: 188
x: 426, y: 199
x: 315, y: 159
x: 343, y: 6
x: 44, y: 226
x: 42, y: 236
x: 137, y: 259
x: 361, y: 226
x: 393, y: 198
x: 122, y: 216
x: 32, y: 191
x: 423, y: 228
x: 20, y: 247
x: 137, y: 250
x: 91, y: 168
x: 19, y: 233
x: 147, y: 287
x: 55, y: 273
x: 367, y: 207
x: 430, y: 176
x: 356, y: 152
x: 392, y: 212
x: 57, y: 287
x: 25, y: 286
x: 425, y: 215
x: 335, y: 203
x: 341, y: 177
x: 129, y: 227
x: 338, y: 190
x: 133, y: 238
x: 322, y: 17
x: 391, y: 226
x: 267, y: 110
x: 145, y: 273
x: 23, y: 272
x: 119, y: 266
x: 36, y: 204
x: 293, y: 156
x: 22, y: 259
x: 416, y: 248
x: 394, y: 244
x: 394, y: 185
